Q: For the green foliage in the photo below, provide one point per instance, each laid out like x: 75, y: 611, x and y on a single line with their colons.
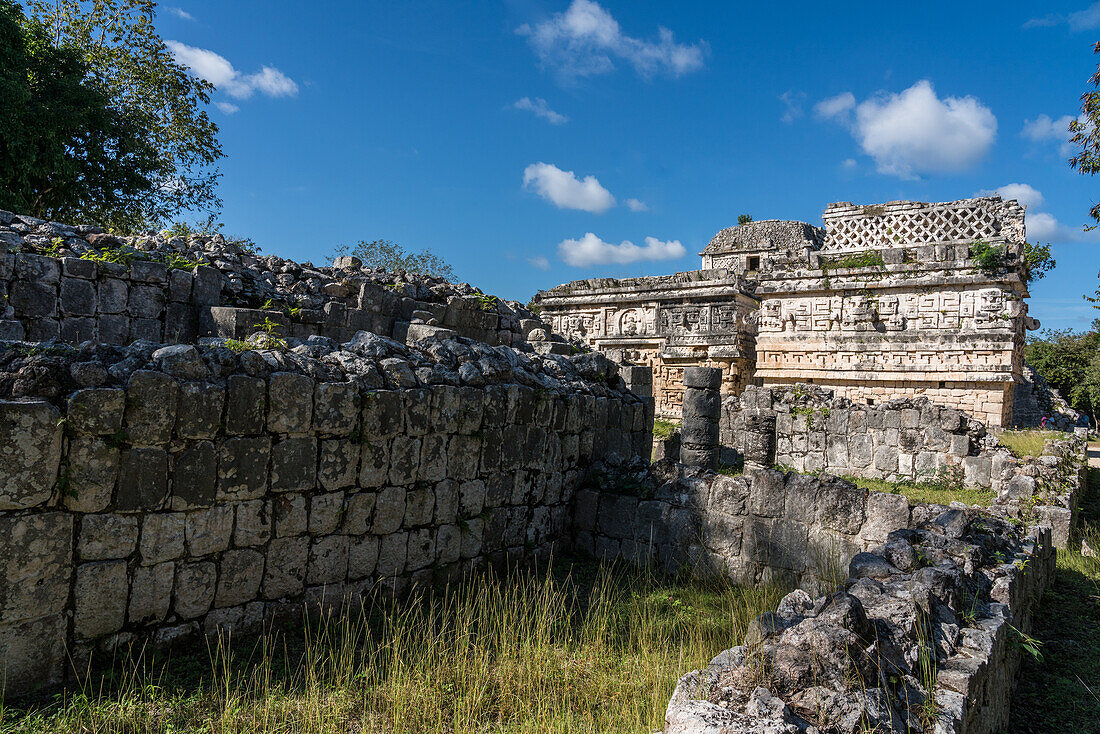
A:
x: 67, y: 150
x: 1086, y: 133
x: 1038, y: 259
x: 487, y: 303
x: 663, y: 428
x: 1070, y: 362
x: 940, y: 487
x: 871, y: 259
x: 990, y: 259
x: 1027, y: 443
x: 391, y: 256
x: 744, y: 218
x: 128, y: 60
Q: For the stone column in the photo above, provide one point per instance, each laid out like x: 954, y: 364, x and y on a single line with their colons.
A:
x: 701, y: 412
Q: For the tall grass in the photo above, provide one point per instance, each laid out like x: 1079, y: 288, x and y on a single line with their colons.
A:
x: 1029, y: 442
x: 587, y: 651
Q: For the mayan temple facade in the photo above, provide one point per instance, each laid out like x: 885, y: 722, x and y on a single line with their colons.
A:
x: 903, y: 299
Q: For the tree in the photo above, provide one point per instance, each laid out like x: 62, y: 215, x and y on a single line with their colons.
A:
x: 1038, y: 259
x: 744, y: 218
x: 130, y: 62
x: 1070, y: 362
x: 65, y: 152
x: 392, y: 256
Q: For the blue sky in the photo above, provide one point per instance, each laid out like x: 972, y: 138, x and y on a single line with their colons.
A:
x: 526, y: 140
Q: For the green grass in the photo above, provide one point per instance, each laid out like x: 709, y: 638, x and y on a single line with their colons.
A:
x: 588, y: 650
x: 1061, y: 693
x: 937, y: 491
x: 1027, y: 443
x: 663, y: 428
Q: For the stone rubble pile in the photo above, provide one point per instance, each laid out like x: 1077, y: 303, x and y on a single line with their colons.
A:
x: 923, y: 636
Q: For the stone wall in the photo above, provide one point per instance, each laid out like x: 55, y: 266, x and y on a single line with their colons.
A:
x: 155, y: 493
x: 806, y: 428
x: 171, y: 290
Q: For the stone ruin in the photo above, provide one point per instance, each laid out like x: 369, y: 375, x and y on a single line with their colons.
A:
x: 189, y: 450
x: 899, y: 299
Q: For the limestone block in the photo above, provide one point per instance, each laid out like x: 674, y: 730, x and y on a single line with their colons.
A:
x: 291, y: 515
x: 113, y: 295
x: 287, y: 559
x: 328, y: 560
x: 375, y: 467
x: 767, y: 493
x: 885, y: 513
x: 362, y: 556
x: 404, y: 459
x: 234, y: 621
x: 162, y: 537
x: 840, y: 507
x: 99, y: 598
x: 242, y: 467
x: 113, y: 328
x: 339, y: 463
x: 253, y: 523
x: 179, y: 285
x: 651, y: 522
x: 391, y: 554
x: 150, y: 407
x: 107, y: 537
x: 463, y: 454
x: 239, y: 577
x: 151, y: 593
x: 93, y: 470
x: 246, y: 405
x: 294, y: 464
x: 419, y: 507
x: 290, y: 403
x: 195, y: 585
x: 616, y: 515
x: 324, y: 513
x: 200, y: 412
x: 383, y: 414
x: 36, y: 554
x: 886, y: 459
x: 147, y: 329
x: 147, y: 271
x: 358, y: 513
x: 142, y: 479
x: 207, y: 286
x: 472, y: 537
x: 976, y: 470
x: 30, y: 451
x: 33, y: 653
x: 195, y: 476
x: 472, y: 496
x: 421, y: 549
x: 433, y: 458
x: 33, y: 300
x: 335, y: 408
x: 446, y: 496
x: 96, y: 411
x: 146, y: 302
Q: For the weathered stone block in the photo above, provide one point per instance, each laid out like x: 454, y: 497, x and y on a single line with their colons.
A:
x: 242, y: 467
x: 768, y: 493
x: 287, y: 559
x: 200, y: 413
x: 463, y: 454
x: 358, y: 512
x: 339, y: 463
x: 246, y: 405
x: 151, y: 593
x: 291, y: 515
x: 328, y: 560
x: 107, y: 537
x: 162, y: 537
x: 885, y: 513
x: 151, y: 399
x: 33, y: 300
x: 404, y: 459
x: 239, y: 578
x: 419, y: 507
x: 195, y: 476
x: 294, y: 464
x: 324, y: 513
x: 96, y: 411
x: 383, y: 414
x: 616, y: 515
x: 142, y: 479
x: 389, y: 510
x: 92, y: 471
x: 391, y: 554
x: 146, y: 302
x: 362, y: 556
x: 335, y: 408
x: 195, y: 585
x: 421, y: 549
x: 432, y: 465
x: 253, y: 523
x: 36, y: 554
x: 78, y: 297
x: 30, y: 452
x: 290, y: 403
x: 33, y: 652
x: 113, y: 295
x: 99, y: 599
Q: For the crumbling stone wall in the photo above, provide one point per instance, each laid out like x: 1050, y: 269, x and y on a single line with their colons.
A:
x: 807, y: 429
x: 160, y: 492
x: 64, y: 296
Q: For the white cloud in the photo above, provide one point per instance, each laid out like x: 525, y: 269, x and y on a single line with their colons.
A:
x: 834, y: 107
x: 539, y: 262
x: 541, y: 109
x: 565, y: 190
x: 636, y: 205
x: 1029, y: 196
x: 1081, y: 20
x: 915, y: 131
x: 227, y: 107
x: 585, y: 40
x: 1043, y: 226
x: 792, y: 104
x: 591, y: 250
x: 217, y: 70
x: 181, y: 13
x: 848, y: 164
x: 1044, y: 129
